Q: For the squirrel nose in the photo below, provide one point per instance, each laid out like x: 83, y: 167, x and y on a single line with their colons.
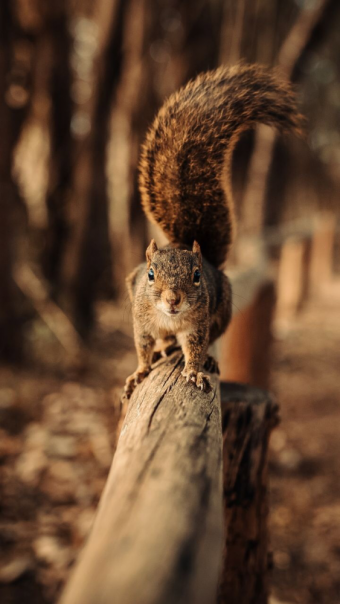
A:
x: 173, y: 299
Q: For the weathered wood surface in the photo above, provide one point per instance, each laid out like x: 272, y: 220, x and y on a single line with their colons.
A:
x: 248, y: 417
x: 158, y: 534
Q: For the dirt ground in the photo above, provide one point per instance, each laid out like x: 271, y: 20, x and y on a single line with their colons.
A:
x: 58, y: 431
x: 305, y: 453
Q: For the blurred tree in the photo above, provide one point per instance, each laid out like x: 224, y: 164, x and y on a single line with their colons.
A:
x: 97, y: 62
x: 17, y: 54
x: 126, y: 120
x: 58, y: 44
x: 253, y: 206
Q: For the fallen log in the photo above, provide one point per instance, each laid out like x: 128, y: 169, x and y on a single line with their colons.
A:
x: 158, y: 534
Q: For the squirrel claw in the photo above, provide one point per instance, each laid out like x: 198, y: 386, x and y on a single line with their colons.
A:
x: 140, y: 375
x: 133, y: 380
x: 198, y: 378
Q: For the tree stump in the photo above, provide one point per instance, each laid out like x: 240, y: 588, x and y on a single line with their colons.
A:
x: 248, y: 417
x: 246, y: 345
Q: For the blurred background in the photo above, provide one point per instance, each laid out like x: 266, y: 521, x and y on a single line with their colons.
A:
x: 80, y: 82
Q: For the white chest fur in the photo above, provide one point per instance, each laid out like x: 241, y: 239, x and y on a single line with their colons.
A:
x: 164, y: 325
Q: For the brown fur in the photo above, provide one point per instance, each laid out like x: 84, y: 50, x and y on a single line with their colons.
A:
x: 185, y: 164
x: 185, y: 187
x: 205, y: 309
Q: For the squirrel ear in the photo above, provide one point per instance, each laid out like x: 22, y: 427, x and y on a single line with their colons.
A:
x: 151, y: 250
x: 197, y: 250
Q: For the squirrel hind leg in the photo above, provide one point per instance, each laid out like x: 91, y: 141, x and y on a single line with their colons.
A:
x: 168, y: 345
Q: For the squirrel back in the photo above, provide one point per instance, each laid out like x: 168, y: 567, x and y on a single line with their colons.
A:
x: 185, y: 179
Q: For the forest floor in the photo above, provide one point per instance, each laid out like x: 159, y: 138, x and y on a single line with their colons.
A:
x: 305, y: 453
x: 58, y: 431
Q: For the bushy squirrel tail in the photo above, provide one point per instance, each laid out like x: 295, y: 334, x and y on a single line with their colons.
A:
x: 185, y: 164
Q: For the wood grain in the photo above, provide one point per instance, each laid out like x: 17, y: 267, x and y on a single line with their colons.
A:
x: 248, y: 417
x: 158, y: 534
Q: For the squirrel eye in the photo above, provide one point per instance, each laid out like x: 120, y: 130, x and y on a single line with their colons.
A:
x: 197, y: 276
x: 151, y: 275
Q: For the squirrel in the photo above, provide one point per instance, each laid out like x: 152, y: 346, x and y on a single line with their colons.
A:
x: 181, y: 293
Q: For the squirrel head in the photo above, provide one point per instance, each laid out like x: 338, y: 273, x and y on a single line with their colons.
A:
x: 174, y: 278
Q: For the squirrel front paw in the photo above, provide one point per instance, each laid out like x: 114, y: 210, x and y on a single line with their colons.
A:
x: 198, y: 378
x: 133, y: 380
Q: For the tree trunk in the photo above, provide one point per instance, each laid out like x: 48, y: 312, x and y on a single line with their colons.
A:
x: 16, y: 57
x: 87, y: 254
x: 62, y: 144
